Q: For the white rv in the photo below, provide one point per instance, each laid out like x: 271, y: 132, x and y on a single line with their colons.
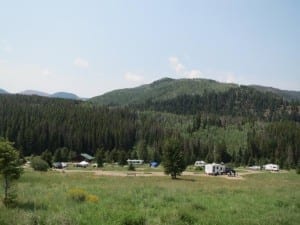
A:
x: 135, y: 161
x: 271, y: 167
x: 199, y: 164
x: 214, y: 169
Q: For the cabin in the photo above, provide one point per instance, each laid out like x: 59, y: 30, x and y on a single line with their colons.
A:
x: 215, y: 169
x: 271, y: 167
x: 199, y: 164
x: 135, y: 161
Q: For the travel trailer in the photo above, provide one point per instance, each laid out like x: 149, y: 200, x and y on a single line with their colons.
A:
x: 214, y: 169
x: 135, y: 161
x: 199, y: 164
x: 271, y: 167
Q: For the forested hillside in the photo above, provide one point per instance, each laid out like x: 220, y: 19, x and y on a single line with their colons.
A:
x: 159, y: 90
x: 242, y: 101
x: 168, y: 89
x: 240, y: 126
x: 39, y: 123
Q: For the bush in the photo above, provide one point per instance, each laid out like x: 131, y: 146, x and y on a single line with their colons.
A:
x: 298, y: 168
x: 38, y: 164
x: 78, y: 195
x: 131, y: 167
x: 92, y: 199
x: 198, y: 168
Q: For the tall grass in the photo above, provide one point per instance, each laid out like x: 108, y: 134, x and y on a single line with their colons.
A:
x: 44, y: 198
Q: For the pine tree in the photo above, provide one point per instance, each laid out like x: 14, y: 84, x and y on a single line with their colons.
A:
x: 9, y: 169
x: 173, y: 157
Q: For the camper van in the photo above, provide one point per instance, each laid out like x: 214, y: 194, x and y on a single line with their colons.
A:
x: 271, y: 167
x: 214, y: 169
x: 135, y: 161
x: 199, y: 164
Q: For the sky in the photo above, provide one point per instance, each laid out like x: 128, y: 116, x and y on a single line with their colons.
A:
x: 91, y: 47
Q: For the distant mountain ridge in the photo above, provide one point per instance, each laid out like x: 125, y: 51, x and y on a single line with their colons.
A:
x: 168, y: 88
x: 64, y: 95
x: 2, y: 91
x: 287, y: 95
x: 33, y: 92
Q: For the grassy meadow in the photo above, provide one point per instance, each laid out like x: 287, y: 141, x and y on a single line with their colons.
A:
x: 56, y: 198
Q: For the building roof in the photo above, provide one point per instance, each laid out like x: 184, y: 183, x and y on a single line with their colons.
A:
x: 87, y: 156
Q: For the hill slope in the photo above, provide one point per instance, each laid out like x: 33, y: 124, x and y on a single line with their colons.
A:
x: 167, y: 88
x: 287, y: 95
x: 34, y: 92
x: 160, y: 90
x: 2, y: 91
x: 64, y: 95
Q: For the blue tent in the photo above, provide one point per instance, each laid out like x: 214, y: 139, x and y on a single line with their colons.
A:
x: 154, y: 164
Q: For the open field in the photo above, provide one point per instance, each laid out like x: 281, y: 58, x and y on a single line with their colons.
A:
x: 262, y: 198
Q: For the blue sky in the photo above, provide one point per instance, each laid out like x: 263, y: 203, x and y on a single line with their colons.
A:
x: 91, y: 47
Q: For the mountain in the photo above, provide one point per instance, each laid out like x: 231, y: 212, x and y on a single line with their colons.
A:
x: 34, y: 92
x: 160, y: 90
x: 2, y: 91
x: 287, y: 95
x: 64, y: 95
x: 167, y: 88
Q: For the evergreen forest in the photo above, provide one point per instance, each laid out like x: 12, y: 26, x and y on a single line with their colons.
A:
x: 241, y: 126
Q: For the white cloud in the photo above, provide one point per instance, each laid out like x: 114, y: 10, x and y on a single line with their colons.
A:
x: 176, y: 65
x: 180, y: 69
x: 133, y: 77
x: 230, y: 78
x: 193, y: 74
x: 221, y: 76
x: 80, y: 62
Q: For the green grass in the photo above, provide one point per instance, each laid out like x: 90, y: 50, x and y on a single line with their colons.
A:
x: 264, y: 198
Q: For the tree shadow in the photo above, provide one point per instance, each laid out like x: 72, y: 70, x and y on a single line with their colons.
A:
x: 30, y: 206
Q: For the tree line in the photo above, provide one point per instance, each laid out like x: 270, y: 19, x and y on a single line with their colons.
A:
x: 60, y: 129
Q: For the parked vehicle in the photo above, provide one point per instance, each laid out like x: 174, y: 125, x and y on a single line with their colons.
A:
x: 199, y: 164
x: 59, y: 165
x: 215, y: 169
x: 83, y: 164
x: 271, y: 167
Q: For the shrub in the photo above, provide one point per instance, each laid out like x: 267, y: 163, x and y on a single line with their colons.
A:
x: 131, y: 167
x: 38, y: 164
x: 92, y: 199
x: 78, y: 195
x: 298, y: 170
x: 198, y: 168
